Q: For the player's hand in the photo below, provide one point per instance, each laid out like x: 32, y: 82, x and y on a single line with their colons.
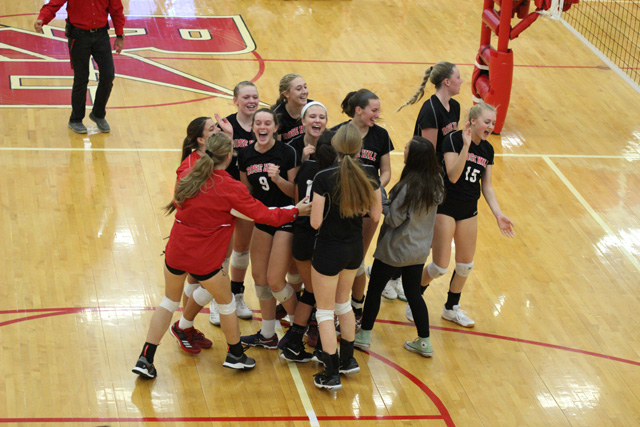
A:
x: 224, y: 124
x: 304, y: 207
x: 118, y: 44
x: 506, y: 225
x: 38, y: 26
x: 273, y: 171
x: 466, y: 134
x: 307, y: 152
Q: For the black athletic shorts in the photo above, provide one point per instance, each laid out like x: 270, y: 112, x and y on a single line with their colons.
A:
x: 198, y: 277
x: 459, y: 210
x: 303, y: 242
x: 330, y: 258
x: 272, y: 230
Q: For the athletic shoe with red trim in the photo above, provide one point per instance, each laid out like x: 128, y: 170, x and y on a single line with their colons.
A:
x: 185, y: 339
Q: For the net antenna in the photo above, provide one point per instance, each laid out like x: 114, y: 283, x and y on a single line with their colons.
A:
x: 554, y: 11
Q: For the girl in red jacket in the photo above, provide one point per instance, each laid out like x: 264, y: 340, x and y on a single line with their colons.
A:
x: 206, y: 200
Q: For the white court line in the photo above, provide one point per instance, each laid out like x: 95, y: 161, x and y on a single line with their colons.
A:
x: 302, y: 391
x: 593, y: 213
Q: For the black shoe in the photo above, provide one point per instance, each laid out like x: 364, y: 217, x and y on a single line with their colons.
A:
x: 329, y: 382
x: 293, y: 354
x: 330, y: 378
x: 77, y: 127
x: 145, y: 369
x: 317, y: 355
x: 239, y: 362
x: 349, y: 367
x: 103, y: 126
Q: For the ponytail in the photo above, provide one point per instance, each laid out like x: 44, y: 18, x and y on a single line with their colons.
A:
x: 354, y: 193
x: 436, y: 74
x: 218, y: 148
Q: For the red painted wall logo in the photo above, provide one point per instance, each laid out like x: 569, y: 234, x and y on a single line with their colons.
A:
x: 36, y: 72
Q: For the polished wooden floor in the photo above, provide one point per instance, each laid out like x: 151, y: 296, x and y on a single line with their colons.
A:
x: 556, y: 341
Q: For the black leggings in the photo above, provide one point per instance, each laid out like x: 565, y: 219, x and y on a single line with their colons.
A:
x: 411, y: 277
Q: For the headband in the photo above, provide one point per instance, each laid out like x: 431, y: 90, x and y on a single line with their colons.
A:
x: 311, y: 104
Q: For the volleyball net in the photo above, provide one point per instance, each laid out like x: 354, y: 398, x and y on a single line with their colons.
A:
x: 612, y: 27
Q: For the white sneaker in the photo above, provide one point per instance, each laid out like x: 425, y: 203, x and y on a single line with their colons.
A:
x: 389, y: 292
x: 397, y: 284
x: 457, y: 316
x: 408, y: 313
x: 242, y: 309
x: 214, y: 317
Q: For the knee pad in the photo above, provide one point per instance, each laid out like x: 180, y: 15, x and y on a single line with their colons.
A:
x: 294, y: 279
x: 284, y: 294
x: 240, y: 260
x: 227, y: 308
x: 308, y: 298
x: 202, y: 296
x: 435, y: 271
x: 190, y: 287
x: 263, y: 292
x: 170, y: 306
x: 343, y: 308
x: 464, y: 269
x: 360, y: 271
x: 324, y: 315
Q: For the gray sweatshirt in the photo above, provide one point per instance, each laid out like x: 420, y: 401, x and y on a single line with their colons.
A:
x: 405, y: 236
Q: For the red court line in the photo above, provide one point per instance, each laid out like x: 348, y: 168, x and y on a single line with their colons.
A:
x: 337, y: 61
x: 520, y: 340
x: 219, y: 419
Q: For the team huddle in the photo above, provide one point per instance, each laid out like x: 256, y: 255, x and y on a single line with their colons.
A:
x: 277, y: 189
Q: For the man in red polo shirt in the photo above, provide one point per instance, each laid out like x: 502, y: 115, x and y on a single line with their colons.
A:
x: 87, y: 32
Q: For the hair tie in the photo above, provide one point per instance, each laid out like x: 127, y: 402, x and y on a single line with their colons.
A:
x: 209, y: 153
x: 311, y: 104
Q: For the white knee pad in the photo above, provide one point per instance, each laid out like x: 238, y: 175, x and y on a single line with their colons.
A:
x: 240, y: 260
x: 170, y: 306
x: 202, y: 296
x: 360, y: 271
x: 263, y: 292
x: 284, y: 294
x: 190, y: 287
x: 228, y: 308
x: 435, y: 271
x: 324, y: 315
x: 294, y: 279
x: 343, y: 308
x: 464, y: 269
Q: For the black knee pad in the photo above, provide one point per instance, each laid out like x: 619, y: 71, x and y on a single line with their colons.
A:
x: 308, y: 298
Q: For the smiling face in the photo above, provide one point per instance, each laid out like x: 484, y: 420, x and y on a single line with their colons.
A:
x: 315, y: 121
x: 483, y: 125
x: 247, y: 100
x: 369, y: 114
x: 264, y: 127
x: 208, y: 129
x: 297, y: 92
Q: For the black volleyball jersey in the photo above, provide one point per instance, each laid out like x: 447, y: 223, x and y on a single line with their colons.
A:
x: 434, y: 115
x: 241, y: 140
x: 288, y: 127
x: 467, y: 188
x: 297, y: 143
x: 334, y: 228
x: 375, y: 144
x: 255, y: 165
